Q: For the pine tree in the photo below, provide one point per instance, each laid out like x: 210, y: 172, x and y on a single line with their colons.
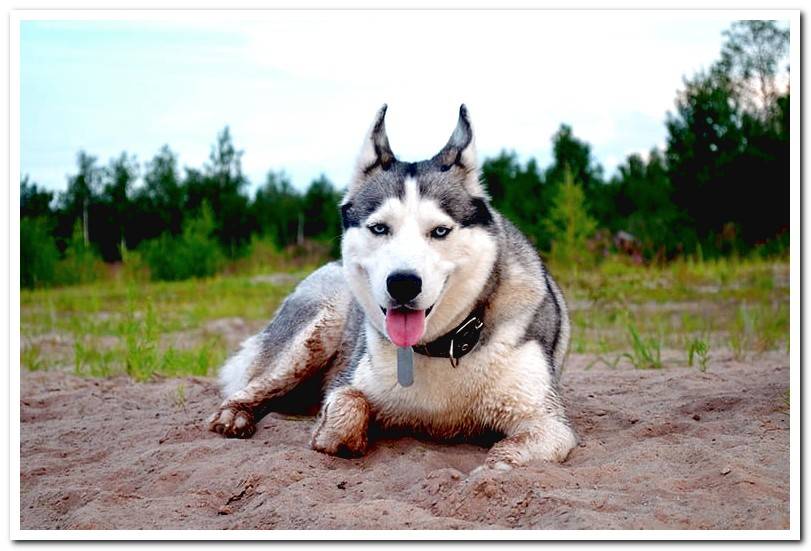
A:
x: 570, y: 225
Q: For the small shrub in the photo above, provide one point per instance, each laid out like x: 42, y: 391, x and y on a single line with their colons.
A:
x: 38, y: 253
x: 195, y: 253
x: 81, y: 263
x: 263, y: 256
x: 134, y: 267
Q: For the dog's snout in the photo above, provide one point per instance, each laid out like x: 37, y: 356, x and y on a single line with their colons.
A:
x: 403, y: 287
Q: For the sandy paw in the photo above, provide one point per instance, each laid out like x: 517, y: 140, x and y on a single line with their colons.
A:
x: 343, y: 426
x: 331, y: 443
x: 491, y: 467
x: 232, y: 422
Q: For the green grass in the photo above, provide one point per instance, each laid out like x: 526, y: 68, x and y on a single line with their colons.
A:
x: 645, y: 352
x: 698, y: 351
x: 679, y: 302
x: 31, y: 358
x: 132, y: 328
x: 178, y: 398
x: 103, y: 308
x: 619, y: 311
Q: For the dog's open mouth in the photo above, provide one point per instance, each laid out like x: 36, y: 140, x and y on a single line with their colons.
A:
x: 404, y: 325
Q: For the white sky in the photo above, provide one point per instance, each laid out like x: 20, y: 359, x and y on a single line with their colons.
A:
x: 299, y: 89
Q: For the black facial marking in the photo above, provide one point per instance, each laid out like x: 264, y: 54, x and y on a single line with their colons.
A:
x: 348, y: 219
x: 377, y: 186
x: 447, y: 189
x: 480, y: 214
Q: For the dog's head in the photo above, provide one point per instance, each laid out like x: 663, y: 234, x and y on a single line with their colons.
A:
x: 418, y: 244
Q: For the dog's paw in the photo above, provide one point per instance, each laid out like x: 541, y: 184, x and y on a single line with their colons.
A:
x: 491, y: 467
x: 331, y: 442
x: 343, y: 426
x: 232, y: 422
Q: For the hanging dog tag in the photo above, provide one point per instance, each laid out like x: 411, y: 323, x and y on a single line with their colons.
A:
x: 405, y: 366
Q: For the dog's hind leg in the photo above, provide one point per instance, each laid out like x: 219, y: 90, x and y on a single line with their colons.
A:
x: 303, y: 337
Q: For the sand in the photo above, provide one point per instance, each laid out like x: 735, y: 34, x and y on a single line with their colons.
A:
x: 667, y: 449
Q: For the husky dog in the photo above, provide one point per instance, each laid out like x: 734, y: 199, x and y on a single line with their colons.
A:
x: 430, y: 271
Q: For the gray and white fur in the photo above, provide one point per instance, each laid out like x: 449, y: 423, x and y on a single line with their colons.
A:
x: 432, y: 220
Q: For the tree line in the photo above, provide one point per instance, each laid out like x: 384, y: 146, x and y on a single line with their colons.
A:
x: 720, y: 186
x: 111, y: 210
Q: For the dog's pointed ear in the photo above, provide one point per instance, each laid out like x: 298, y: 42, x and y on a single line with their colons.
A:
x: 376, y: 152
x: 460, y: 153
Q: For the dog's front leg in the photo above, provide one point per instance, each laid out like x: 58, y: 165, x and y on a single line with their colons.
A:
x: 343, y: 424
x: 549, y: 438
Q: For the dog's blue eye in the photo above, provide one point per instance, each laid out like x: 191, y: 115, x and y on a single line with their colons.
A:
x: 379, y: 229
x: 440, y: 232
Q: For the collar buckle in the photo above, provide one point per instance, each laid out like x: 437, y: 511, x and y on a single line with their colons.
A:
x: 456, y: 343
x: 454, y: 360
x: 464, y: 335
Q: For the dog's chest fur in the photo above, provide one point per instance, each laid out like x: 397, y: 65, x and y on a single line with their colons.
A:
x: 490, y: 388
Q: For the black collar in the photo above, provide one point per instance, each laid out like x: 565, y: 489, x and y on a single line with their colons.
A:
x: 457, y: 342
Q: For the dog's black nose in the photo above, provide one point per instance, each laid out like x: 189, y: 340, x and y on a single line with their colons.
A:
x: 403, y: 286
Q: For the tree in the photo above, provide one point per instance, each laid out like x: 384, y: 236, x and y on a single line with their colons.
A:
x: 115, y: 209
x: 572, y: 154
x: 569, y: 224
x: 161, y: 199
x: 499, y: 174
x: 221, y: 184
x: 34, y: 201
x: 519, y: 193
x: 751, y: 58
x: 38, y: 253
x: 322, y: 218
x: 704, y: 140
x: 644, y: 205
x: 225, y: 163
x: 83, y: 189
x: 728, y: 144
x: 277, y: 208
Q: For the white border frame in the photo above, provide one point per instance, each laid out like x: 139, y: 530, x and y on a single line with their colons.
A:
x: 18, y: 16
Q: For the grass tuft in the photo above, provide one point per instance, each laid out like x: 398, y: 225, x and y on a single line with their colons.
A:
x: 699, y: 349
x: 646, y: 353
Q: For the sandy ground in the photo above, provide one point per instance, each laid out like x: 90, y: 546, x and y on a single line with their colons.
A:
x: 667, y: 449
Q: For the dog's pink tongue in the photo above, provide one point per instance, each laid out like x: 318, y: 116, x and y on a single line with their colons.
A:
x: 405, y: 327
